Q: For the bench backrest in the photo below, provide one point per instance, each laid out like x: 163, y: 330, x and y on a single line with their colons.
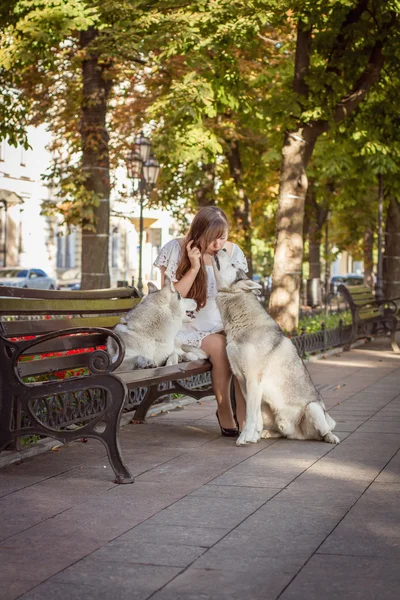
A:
x: 360, y: 295
x: 26, y: 313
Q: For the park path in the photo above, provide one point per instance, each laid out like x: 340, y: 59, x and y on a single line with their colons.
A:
x: 205, y: 519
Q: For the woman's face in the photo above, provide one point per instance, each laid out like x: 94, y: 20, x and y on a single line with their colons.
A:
x: 217, y: 244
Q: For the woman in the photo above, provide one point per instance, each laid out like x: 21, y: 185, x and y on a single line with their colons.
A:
x: 188, y: 263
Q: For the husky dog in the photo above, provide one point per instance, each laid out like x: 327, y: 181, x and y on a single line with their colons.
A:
x: 281, y: 399
x: 149, y: 330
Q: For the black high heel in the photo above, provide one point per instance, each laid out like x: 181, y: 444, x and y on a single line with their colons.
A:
x: 227, y: 432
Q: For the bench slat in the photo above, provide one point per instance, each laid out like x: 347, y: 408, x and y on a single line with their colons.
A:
x: 38, y: 327
x: 21, y: 306
x: 145, y: 377
x: 12, y: 292
x: 49, y: 365
x: 72, y: 342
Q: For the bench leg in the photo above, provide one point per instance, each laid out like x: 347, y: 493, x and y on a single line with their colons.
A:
x: 153, y: 393
x: 111, y: 442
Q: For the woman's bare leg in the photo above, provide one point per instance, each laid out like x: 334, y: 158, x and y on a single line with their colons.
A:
x: 240, y: 405
x: 215, y: 346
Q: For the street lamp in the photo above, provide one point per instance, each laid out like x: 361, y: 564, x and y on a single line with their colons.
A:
x: 143, y: 169
x: 379, y: 275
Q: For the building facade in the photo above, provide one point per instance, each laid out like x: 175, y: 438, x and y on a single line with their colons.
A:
x: 30, y: 239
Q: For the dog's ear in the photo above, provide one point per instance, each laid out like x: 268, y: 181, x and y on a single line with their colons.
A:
x: 151, y: 288
x: 168, y: 285
x: 248, y: 284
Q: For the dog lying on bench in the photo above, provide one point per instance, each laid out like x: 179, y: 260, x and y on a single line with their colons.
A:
x: 149, y: 330
x: 281, y: 399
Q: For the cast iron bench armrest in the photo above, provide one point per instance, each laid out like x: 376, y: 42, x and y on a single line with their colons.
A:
x: 99, y: 361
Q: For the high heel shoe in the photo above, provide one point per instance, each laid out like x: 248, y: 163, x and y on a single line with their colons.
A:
x: 227, y: 432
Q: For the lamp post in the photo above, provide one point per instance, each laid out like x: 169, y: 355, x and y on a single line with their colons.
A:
x: 143, y: 169
x: 379, y: 274
x: 327, y: 262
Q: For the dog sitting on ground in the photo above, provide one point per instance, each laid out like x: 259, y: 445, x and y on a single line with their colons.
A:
x: 281, y: 399
x: 149, y: 330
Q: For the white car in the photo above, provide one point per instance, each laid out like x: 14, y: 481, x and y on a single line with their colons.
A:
x: 70, y: 280
x: 26, y: 278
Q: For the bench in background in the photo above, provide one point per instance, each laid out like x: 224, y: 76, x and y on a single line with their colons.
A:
x: 69, y: 331
x: 370, y: 316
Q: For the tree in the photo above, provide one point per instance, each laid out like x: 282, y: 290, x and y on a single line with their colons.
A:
x: 339, y: 57
x: 70, y: 61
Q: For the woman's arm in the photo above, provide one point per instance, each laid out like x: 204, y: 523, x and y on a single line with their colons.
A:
x: 185, y: 283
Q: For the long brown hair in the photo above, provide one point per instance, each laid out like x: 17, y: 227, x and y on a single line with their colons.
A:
x: 209, y: 224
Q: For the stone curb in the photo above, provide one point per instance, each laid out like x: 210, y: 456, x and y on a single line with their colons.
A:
x: 17, y: 456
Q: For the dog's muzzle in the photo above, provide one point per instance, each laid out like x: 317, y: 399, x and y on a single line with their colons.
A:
x: 190, y: 314
x: 217, y: 262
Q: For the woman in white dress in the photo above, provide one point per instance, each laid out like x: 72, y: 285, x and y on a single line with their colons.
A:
x: 188, y: 263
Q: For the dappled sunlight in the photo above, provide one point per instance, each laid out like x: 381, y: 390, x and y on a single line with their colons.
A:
x: 349, y: 363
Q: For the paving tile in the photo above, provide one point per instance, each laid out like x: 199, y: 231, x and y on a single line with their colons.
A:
x: 263, y: 580
x: 198, y: 511
x: 371, y: 528
x: 32, y: 553
x: 381, y: 427
x: 26, y: 507
x: 174, y: 534
x: 193, y: 465
x: 92, y: 579
x: 149, y: 553
x: 391, y: 473
x: 342, y: 578
x: 12, y: 587
x: 234, y: 491
x: 287, y: 525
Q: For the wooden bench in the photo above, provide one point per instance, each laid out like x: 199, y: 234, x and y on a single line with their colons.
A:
x: 370, y: 316
x: 69, y: 330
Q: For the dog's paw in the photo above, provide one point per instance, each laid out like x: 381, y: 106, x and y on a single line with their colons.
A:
x: 248, y: 435
x: 144, y: 363
x: 194, y: 353
x: 267, y: 434
x: 173, y: 359
x: 331, y: 438
x: 189, y: 356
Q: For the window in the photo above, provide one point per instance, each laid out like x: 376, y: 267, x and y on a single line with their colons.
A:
x: 66, y: 249
x: 23, y: 157
x: 115, y: 248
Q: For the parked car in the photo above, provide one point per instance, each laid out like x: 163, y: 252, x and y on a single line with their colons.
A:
x: 348, y: 279
x: 70, y: 280
x: 26, y: 278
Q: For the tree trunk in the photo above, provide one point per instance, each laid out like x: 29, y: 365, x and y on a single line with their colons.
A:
x: 368, y: 246
x: 205, y: 194
x: 391, y: 257
x: 284, y: 301
x: 296, y: 152
x: 242, y: 212
x: 95, y: 165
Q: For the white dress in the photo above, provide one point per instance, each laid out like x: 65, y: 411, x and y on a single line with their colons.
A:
x: 208, y: 319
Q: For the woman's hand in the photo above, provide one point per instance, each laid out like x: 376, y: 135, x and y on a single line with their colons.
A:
x: 194, y: 255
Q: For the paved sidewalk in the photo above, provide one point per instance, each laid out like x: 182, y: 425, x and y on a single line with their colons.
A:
x: 205, y: 519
